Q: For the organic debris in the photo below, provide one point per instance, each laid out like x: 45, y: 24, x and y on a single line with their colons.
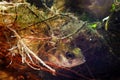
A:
x: 38, y: 39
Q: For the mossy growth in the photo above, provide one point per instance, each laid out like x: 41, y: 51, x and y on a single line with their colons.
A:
x: 26, y: 14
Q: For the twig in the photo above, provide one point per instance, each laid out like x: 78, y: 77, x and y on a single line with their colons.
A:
x: 69, y: 35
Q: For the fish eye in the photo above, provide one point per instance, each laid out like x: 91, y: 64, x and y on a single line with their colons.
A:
x: 69, y: 55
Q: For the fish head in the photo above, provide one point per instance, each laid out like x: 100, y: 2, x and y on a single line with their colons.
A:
x: 68, y: 59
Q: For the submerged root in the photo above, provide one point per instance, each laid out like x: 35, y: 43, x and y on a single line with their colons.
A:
x: 24, y: 51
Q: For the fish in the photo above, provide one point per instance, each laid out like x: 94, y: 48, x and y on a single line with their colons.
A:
x: 64, y: 54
